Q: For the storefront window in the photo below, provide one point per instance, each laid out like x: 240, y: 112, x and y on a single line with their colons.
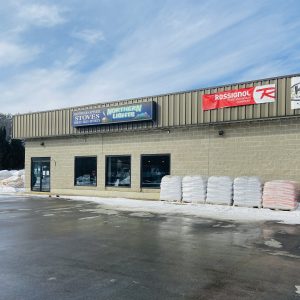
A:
x: 153, y: 169
x: 85, y: 171
x: 118, y: 171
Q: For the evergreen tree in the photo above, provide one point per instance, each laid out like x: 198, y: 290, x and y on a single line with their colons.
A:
x: 12, y: 153
x: 16, y: 155
x: 4, y: 149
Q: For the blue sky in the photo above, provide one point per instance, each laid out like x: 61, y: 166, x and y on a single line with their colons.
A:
x: 57, y: 54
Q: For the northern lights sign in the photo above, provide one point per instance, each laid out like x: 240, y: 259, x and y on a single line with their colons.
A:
x: 135, y: 112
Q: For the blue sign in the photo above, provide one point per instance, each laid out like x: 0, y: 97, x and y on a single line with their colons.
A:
x: 134, y: 112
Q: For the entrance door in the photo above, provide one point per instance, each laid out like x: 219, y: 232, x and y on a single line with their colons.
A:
x: 40, y: 174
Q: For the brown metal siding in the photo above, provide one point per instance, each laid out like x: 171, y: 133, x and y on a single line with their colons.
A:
x: 177, y: 109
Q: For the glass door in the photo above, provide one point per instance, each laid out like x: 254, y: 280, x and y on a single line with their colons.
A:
x: 40, y: 174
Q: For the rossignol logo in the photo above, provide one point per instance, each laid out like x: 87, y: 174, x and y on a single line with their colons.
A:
x: 232, y: 95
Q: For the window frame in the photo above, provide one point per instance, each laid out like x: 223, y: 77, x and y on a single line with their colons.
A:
x: 106, y: 169
x: 74, y: 175
x: 141, y: 169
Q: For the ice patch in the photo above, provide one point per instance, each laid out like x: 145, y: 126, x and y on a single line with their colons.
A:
x: 51, y: 278
x: 284, y: 253
x: 48, y: 215
x: 100, y: 211
x: 142, y: 215
x: 224, y: 226
x: 88, y: 218
x: 297, y: 289
x: 61, y: 208
x: 273, y: 243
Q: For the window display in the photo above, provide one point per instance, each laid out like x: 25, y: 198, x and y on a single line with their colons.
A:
x: 85, y: 171
x: 153, y: 169
x: 118, y: 170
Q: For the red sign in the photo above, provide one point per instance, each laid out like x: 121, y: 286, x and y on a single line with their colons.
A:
x: 246, y: 96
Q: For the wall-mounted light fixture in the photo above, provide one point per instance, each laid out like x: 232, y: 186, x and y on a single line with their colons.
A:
x: 221, y: 132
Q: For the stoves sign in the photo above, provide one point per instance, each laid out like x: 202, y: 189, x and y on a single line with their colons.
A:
x: 144, y: 111
x: 244, y: 96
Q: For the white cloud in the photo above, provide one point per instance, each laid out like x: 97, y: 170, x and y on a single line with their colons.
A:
x: 179, y: 48
x: 90, y: 36
x: 12, y: 53
x: 41, y: 14
x: 39, y: 89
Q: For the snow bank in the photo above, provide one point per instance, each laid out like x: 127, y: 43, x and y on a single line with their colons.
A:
x: 219, y: 212
x: 5, y: 174
x: 12, y: 181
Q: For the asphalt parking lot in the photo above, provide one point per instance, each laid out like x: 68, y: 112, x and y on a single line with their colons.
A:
x: 61, y: 249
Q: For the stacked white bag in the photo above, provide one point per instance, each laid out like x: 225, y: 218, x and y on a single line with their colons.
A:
x: 247, y: 191
x: 194, y: 189
x: 170, y: 188
x: 219, y: 190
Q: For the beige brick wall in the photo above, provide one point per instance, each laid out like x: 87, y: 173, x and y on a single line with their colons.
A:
x: 267, y: 149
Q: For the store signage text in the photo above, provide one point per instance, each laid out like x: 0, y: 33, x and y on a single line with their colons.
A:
x: 245, y: 96
x: 295, y: 92
x: 116, y: 114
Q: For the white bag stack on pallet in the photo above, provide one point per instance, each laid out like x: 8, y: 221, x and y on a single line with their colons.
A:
x: 247, y: 191
x: 171, y: 188
x: 281, y: 194
x: 194, y: 189
x: 219, y: 190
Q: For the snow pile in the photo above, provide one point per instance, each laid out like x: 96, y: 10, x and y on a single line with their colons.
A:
x: 194, y: 189
x: 219, y: 190
x: 281, y: 194
x: 170, y: 188
x: 247, y: 191
x: 12, y: 181
x: 219, y: 212
x: 5, y: 174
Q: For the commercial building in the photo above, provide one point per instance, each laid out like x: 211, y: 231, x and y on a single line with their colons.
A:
x: 123, y: 148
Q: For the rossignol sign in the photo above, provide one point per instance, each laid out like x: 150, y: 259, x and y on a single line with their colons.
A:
x: 144, y: 111
x: 246, y: 96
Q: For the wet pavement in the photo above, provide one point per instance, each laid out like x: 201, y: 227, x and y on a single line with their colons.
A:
x: 52, y: 248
